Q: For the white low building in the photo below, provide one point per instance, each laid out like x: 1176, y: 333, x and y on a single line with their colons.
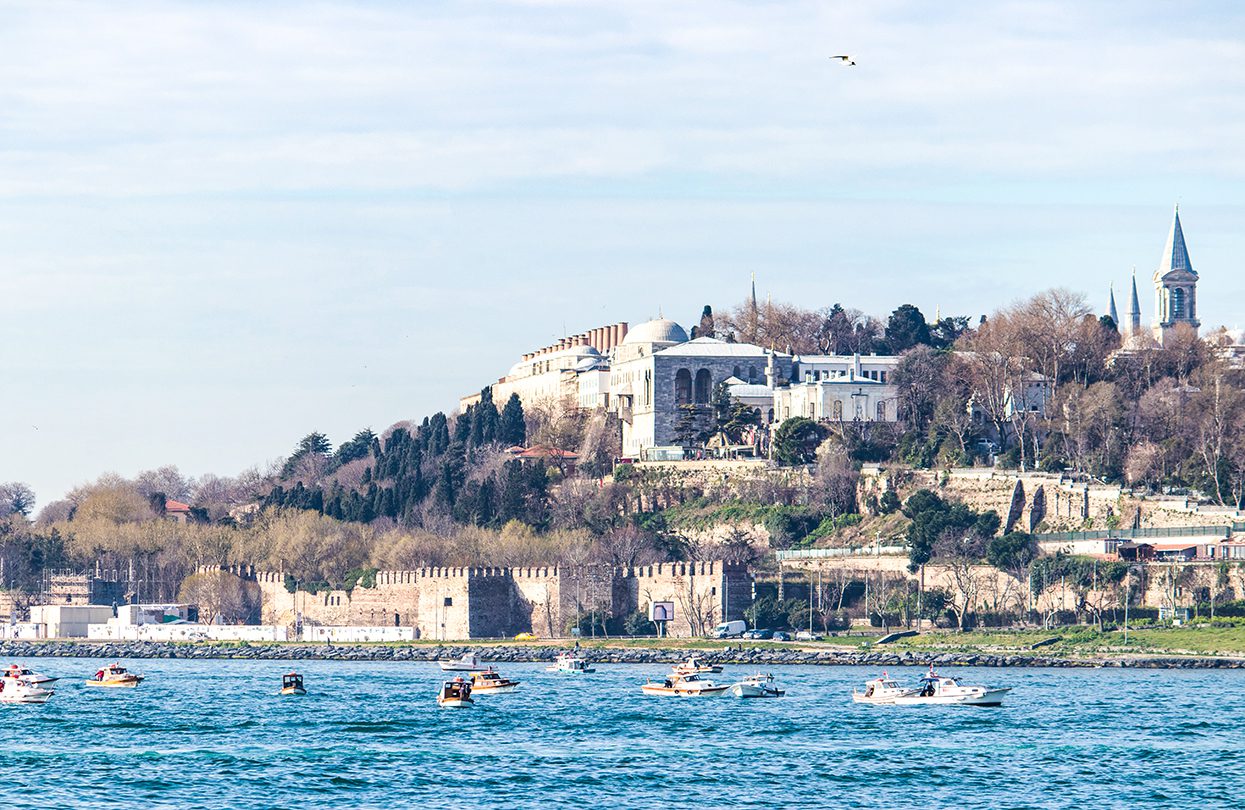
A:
x: 67, y: 621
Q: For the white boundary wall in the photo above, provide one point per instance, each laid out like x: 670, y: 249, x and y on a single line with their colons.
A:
x: 187, y: 632
x: 351, y: 634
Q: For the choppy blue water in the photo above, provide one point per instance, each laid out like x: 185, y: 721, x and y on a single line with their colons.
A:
x: 214, y: 735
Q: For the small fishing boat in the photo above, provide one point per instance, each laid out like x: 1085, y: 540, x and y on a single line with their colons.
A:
x: 292, y: 684
x: 684, y: 686
x: 571, y: 664
x: 757, y: 686
x: 937, y: 690
x: 20, y: 689
x: 29, y: 675
x: 489, y: 682
x: 694, y: 666
x: 455, y: 694
x: 469, y: 662
x: 882, y: 691
x: 115, y: 675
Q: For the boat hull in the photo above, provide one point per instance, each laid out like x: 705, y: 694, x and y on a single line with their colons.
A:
x: 493, y: 690
x: 752, y: 690
x: 455, y: 703
x: 118, y: 684
x: 33, y: 696
x: 293, y: 690
x: 988, y: 697
x: 875, y: 700
x: 665, y: 691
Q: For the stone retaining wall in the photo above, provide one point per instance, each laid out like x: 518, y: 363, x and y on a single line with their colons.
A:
x: 514, y: 654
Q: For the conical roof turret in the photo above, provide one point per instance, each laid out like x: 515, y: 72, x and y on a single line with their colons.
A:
x: 1175, y: 252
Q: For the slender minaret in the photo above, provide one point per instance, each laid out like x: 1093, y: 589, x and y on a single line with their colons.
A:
x: 753, y: 300
x: 1134, y: 309
x: 1111, y: 311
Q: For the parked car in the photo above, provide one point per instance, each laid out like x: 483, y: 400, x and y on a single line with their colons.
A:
x: 759, y: 634
x: 781, y: 635
x: 525, y: 637
x: 735, y: 629
x: 807, y: 635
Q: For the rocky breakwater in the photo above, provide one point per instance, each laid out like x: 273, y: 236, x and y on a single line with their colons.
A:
x: 513, y: 653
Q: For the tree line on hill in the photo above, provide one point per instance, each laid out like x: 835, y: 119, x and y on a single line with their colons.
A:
x: 445, y: 491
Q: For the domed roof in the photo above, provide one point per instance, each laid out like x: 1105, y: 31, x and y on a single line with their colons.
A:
x: 661, y: 330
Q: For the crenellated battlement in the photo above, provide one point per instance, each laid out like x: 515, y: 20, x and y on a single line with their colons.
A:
x: 452, y: 602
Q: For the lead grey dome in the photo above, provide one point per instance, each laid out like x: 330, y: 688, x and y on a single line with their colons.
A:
x: 661, y: 330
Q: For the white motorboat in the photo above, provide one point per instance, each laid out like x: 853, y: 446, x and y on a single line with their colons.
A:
x: 19, y: 689
x: 29, y: 675
x: 469, y: 662
x: 937, y: 690
x: 693, y: 666
x: 757, y: 686
x: 882, y: 691
x: 570, y: 664
x: 455, y: 694
x: 684, y: 686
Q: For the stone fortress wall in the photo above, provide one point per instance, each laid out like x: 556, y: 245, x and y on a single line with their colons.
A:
x: 1052, y: 503
x: 462, y: 603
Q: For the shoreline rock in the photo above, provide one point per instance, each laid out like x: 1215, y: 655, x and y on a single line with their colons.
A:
x: 509, y: 653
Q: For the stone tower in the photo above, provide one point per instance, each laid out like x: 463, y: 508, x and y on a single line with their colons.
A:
x: 1175, y: 286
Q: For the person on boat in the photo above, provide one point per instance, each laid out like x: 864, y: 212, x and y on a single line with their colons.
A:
x: 99, y: 676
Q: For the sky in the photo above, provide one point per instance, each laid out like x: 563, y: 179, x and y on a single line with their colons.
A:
x: 225, y: 225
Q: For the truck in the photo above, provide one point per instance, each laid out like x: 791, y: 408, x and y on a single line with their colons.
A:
x: 733, y: 629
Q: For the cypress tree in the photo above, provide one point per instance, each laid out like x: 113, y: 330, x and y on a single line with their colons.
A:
x: 511, y: 425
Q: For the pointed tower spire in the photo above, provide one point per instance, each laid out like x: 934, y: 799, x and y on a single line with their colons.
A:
x: 1134, y: 309
x: 753, y: 300
x: 1175, y: 253
x: 1111, y: 311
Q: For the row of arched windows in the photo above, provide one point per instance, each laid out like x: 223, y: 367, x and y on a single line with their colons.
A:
x: 688, y: 391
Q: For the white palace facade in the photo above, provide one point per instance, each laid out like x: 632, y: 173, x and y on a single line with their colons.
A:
x: 652, y: 375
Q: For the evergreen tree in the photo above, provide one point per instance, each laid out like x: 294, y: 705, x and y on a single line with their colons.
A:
x: 906, y: 328
x: 512, y: 425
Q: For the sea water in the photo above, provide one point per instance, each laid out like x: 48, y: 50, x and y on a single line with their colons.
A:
x: 214, y: 734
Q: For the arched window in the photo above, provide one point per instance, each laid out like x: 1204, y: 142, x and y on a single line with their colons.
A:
x: 683, y: 387
x: 648, y: 388
x: 836, y: 411
x: 1178, y: 304
x: 881, y: 411
x: 738, y: 373
x: 771, y: 416
x: 752, y: 374
x: 703, y: 385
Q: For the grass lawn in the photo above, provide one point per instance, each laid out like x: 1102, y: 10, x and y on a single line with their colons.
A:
x: 1197, y: 640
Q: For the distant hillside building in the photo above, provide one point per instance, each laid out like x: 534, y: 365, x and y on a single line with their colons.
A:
x: 1175, y: 297
x: 573, y: 369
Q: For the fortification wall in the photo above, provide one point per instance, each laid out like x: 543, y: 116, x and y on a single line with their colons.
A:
x: 1051, y: 502
x: 459, y: 603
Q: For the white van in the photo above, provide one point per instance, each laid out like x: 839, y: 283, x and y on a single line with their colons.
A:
x: 733, y: 629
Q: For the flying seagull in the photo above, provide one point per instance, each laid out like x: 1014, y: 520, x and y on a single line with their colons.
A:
x: 847, y: 60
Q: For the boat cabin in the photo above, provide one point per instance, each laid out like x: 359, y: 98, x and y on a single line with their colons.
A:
x: 457, y: 689
x: 292, y: 681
